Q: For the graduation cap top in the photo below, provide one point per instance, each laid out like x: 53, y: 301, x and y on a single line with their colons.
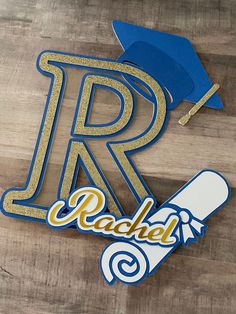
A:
x: 178, y: 49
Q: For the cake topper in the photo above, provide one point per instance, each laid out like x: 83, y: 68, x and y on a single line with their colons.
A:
x: 165, y: 70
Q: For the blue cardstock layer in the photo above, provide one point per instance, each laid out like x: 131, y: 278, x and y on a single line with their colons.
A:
x: 178, y: 48
x: 173, y: 79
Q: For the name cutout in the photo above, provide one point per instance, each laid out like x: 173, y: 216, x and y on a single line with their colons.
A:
x: 86, y: 207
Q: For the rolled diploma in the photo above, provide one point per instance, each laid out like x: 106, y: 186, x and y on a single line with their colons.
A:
x: 202, y: 195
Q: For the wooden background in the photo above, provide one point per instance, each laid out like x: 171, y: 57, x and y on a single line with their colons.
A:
x: 44, y: 271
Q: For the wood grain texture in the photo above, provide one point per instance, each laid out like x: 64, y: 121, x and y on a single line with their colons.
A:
x: 43, y: 271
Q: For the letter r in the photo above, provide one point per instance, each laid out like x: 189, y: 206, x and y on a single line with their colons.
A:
x: 20, y: 201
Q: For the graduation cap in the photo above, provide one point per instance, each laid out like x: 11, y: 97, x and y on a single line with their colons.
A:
x: 172, y: 61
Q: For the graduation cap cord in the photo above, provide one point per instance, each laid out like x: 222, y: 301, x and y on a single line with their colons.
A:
x: 185, y: 119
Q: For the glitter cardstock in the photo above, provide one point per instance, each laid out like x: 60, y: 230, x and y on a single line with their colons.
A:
x: 152, y: 67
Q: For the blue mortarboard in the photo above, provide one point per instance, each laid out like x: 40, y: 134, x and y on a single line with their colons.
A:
x: 181, y: 61
x: 174, y: 80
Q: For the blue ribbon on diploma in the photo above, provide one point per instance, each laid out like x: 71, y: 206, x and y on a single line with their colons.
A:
x: 190, y: 227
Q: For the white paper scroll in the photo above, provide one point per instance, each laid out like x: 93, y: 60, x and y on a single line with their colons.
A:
x: 130, y: 262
